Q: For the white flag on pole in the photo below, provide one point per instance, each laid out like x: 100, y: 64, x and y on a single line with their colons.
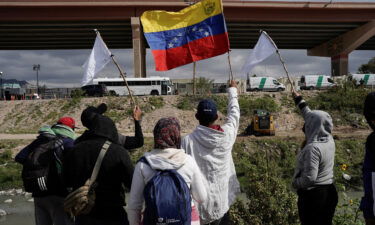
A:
x: 99, y: 57
x: 262, y: 50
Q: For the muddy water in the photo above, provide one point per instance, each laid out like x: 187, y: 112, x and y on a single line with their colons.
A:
x: 21, y: 212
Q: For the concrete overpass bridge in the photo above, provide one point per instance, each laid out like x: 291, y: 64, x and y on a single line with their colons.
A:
x: 324, y: 29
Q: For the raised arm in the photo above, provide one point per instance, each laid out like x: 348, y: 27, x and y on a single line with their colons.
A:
x: 233, y: 114
x: 301, y: 104
x: 129, y: 142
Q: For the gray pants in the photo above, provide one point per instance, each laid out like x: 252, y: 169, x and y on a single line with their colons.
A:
x: 49, y: 210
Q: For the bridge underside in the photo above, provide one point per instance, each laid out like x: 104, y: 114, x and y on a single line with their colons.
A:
x: 324, y: 29
x: 118, y: 34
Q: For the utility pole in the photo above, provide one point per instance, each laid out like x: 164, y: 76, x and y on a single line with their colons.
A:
x: 36, y: 67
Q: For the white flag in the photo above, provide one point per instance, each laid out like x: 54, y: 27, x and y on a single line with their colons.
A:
x: 262, y: 50
x: 99, y: 57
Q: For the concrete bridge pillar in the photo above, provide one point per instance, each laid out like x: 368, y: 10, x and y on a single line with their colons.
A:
x: 339, y: 65
x: 139, y: 50
x: 338, y: 48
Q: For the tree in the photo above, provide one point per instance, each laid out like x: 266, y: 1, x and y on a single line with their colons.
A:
x: 204, y: 85
x: 368, y: 68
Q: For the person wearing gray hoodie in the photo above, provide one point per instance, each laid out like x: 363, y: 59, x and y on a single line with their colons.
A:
x: 166, y: 155
x: 313, y: 176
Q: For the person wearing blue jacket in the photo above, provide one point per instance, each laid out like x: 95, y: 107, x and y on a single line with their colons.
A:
x: 368, y: 170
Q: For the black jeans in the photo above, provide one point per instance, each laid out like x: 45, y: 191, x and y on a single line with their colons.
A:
x: 225, y: 220
x: 104, y: 216
x: 317, y: 206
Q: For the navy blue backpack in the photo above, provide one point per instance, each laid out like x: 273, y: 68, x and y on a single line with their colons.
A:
x: 167, y: 199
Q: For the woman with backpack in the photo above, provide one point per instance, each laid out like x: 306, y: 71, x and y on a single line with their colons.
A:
x: 165, y: 179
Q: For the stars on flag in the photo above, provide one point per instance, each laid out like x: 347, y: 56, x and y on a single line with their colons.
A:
x: 190, y: 33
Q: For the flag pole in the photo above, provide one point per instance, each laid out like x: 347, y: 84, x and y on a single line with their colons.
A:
x: 123, y: 77
x: 281, y: 59
x: 230, y: 68
x: 286, y: 71
x: 121, y: 73
x: 194, y: 68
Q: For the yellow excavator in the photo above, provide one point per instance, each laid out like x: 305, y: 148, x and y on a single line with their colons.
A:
x: 262, y: 124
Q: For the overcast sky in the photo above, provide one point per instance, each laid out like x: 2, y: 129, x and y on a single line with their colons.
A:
x: 62, y: 68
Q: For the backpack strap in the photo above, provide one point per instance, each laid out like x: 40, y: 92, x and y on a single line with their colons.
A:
x: 144, y: 160
x: 99, y: 160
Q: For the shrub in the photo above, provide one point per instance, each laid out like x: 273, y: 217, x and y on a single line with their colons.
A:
x: 10, y: 176
x: 77, y: 93
x: 157, y: 102
x: 248, y: 104
x: 349, y: 159
x: 345, y: 102
x: 5, y: 156
x: 348, y: 213
x: 265, y: 176
x: 71, y: 104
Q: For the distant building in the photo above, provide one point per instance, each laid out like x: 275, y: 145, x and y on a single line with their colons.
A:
x: 49, y: 93
x: 185, y: 86
x: 182, y: 86
x: 12, y: 91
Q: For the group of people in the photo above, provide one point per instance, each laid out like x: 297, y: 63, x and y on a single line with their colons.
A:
x: 202, y: 159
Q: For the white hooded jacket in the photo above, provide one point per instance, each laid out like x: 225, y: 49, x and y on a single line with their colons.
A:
x: 212, y: 150
x: 163, y: 159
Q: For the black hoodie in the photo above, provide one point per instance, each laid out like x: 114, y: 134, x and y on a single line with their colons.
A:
x: 116, y: 170
x: 369, y: 113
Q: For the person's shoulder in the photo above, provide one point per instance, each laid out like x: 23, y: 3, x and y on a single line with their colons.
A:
x: 190, y: 161
x: 118, y: 150
x: 312, y: 148
x: 187, y: 137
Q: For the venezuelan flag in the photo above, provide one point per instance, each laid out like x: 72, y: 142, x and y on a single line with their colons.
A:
x: 192, y: 34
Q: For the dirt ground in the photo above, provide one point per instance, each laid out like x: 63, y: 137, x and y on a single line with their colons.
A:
x: 20, y: 119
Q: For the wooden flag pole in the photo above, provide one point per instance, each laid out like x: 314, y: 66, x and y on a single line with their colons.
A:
x: 194, y: 87
x: 230, y: 68
x: 123, y: 77
x: 281, y: 59
x: 286, y: 71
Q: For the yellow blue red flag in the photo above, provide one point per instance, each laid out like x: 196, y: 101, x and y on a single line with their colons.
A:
x: 192, y: 34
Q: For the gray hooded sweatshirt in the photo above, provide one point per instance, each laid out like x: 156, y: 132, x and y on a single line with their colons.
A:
x: 315, y: 161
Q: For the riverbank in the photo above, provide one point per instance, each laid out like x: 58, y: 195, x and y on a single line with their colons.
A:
x: 264, y: 167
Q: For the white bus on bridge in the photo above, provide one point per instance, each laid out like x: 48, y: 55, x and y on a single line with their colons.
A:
x: 138, y: 86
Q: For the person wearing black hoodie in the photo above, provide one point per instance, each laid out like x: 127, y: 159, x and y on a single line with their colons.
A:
x: 115, y: 172
x: 368, y: 170
x: 128, y: 142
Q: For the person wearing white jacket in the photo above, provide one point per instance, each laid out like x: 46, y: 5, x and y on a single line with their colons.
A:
x: 211, y: 147
x: 166, y: 154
